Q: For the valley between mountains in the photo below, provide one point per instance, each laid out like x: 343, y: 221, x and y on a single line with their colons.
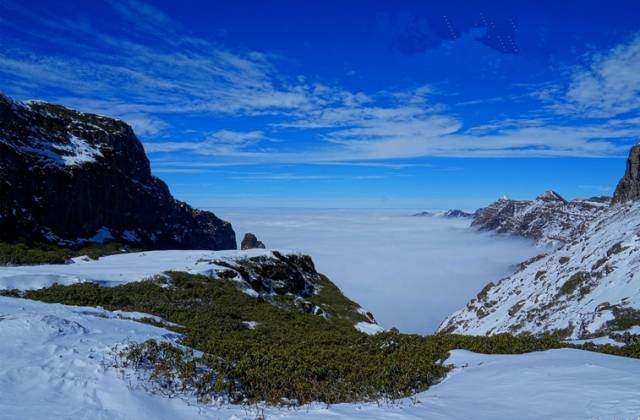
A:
x: 124, y: 302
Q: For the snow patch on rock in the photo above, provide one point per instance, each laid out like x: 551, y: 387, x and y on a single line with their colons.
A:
x: 369, y: 328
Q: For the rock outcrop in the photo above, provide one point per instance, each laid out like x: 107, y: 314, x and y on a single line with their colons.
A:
x: 455, y: 214
x: 69, y: 177
x: 549, y: 219
x: 250, y: 241
x: 275, y: 273
x: 628, y: 188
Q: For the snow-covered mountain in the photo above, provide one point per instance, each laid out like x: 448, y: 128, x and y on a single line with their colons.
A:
x: 70, y: 177
x: 584, y: 289
x: 588, y: 287
x: 549, y: 219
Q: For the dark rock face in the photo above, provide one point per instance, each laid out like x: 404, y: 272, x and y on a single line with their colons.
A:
x: 450, y: 214
x: 455, y: 213
x: 423, y: 214
x: 547, y: 219
x: 250, y: 242
x: 278, y: 274
x: 70, y: 177
x: 628, y: 188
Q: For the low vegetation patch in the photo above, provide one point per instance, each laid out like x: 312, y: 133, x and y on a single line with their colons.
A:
x: 168, y: 370
x: 631, y: 350
x: 41, y: 253
x: 576, y: 280
x: 289, y: 357
x: 624, y: 318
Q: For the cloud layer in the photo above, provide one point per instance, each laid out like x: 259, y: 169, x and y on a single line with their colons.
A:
x: 410, y: 272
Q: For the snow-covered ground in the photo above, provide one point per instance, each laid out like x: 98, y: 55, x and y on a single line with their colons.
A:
x: 117, y: 269
x: 51, y: 366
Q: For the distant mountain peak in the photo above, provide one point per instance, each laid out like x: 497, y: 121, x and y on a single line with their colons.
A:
x: 551, y: 195
x: 549, y: 219
x: 449, y: 214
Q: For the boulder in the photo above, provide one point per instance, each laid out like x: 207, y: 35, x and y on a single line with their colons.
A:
x: 250, y: 241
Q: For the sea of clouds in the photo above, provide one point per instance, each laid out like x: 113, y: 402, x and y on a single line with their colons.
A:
x: 411, y: 272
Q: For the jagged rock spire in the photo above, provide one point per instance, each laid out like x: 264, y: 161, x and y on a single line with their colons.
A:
x: 628, y: 188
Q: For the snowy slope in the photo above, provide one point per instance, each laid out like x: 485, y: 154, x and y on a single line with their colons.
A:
x: 121, y: 268
x: 580, y: 289
x: 51, y: 364
x: 52, y: 367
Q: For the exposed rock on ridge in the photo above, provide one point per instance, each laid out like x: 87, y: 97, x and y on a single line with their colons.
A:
x: 628, y: 188
x: 549, y: 219
x: 70, y: 177
x: 276, y: 273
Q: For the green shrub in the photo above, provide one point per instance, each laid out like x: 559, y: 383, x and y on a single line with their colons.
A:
x: 574, y: 281
x: 40, y: 253
x: 291, y: 357
x: 623, y: 319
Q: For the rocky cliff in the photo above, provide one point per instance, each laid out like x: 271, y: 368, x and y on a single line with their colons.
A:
x: 549, y: 219
x: 69, y: 177
x: 628, y: 188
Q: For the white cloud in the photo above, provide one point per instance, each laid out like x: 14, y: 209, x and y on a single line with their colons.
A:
x: 144, y: 124
x: 608, y: 86
x: 121, y: 74
x: 221, y: 143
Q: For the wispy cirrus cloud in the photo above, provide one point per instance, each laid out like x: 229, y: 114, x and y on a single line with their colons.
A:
x: 609, y: 85
x: 154, y: 70
x: 223, y: 142
x: 605, y: 85
x: 124, y: 74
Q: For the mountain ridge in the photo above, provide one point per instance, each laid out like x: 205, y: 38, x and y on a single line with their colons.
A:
x: 549, y: 219
x: 584, y: 288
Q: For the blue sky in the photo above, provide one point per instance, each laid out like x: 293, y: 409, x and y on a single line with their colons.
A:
x: 346, y: 104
